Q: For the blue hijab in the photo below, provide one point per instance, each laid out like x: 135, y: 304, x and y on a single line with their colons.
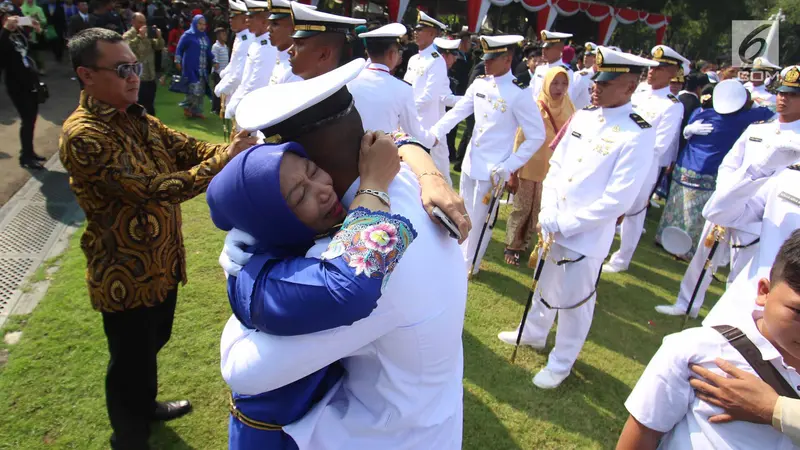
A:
x: 194, y: 53
x: 246, y: 195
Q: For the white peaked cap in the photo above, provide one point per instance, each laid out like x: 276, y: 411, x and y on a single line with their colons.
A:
x: 424, y: 20
x: 308, y: 22
x: 237, y: 7
x: 255, y: 6
x: 282, y: 8
x: 393, y: 30
x: 553, y: 37
x: 611, y: 64
x: 728, y: 96
x: 589, y: 48
x: 494, y: 46
x: 667, y: 56
x: 291, y: 99
x: 762, y: 63
x: 447, y: 44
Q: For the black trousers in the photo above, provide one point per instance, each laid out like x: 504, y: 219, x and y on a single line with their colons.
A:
x: 57, y: 47
x: 147, y: 96
x: 26, y: 103
x: 134, y: 340
x: 465, y: 138
x: 215, y: 101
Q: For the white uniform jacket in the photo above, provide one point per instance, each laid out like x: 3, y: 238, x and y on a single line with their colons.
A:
x: 231, y: 76
x: 596, y: 172
x: 403, y: 386
x: 580, y: 88
x: 762, y: 97
x: 664, y: 112
x: 427, y: 74
x: 282, y: 66
x: 500, y: 106
x: 261, y: 58
x: 386, y: 103
x: 538, y: 76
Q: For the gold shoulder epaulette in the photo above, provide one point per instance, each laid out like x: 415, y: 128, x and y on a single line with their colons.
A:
x: 590, y: 108
x: 673, y: 98
x: 435, y: 55
x: 639, y: 121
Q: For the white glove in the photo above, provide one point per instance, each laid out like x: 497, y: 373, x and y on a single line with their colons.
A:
x: 498, y: 173
x: 234, y: 256
x: 782, y: 155
x: 697, y: 128
x: 548, y: 219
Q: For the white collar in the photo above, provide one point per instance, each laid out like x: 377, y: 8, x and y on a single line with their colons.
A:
x: 283, y: 55
x: 244, y: 32
x: 788, y: 126
x: 660, y: 92
x: 506, y: 76
x: 427, y: 51
x: 262, y: 36
x: 688, y: 92
x: 84, y: 16
x: 532, y: 74
x: 378, y: 67
x: 625, y: 109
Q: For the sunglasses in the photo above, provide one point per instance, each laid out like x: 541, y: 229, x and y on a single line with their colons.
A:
x: 124, y: 70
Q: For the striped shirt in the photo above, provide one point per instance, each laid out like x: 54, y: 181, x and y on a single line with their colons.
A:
x: 221, y: 56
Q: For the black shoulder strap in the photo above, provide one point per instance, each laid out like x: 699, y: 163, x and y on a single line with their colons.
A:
x: 750, y: 352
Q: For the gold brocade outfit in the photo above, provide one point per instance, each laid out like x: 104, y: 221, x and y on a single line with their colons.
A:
x: 130, y: 173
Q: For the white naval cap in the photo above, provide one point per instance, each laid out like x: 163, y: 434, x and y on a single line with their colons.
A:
x: 308, y: 22
x: 299, y: 107
x: 612, y: 63
x: 391, y: 31
x: 281, y: 9
x: 236, y: 8
x: 615, y: 48
x: 728, y: 96
x: 790, y: 79
x: 668, y: 57
x: 444, y: 45
x: 551, y: 38
x: 255, y: 6
x: 496, y: 46
x: 424, y: 20
x: 762, y: 63
x: 589, y: 48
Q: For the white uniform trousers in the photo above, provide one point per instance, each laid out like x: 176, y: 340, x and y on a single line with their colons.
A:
x: 563, y: 286
x: 473, y: 191
x: 632, y: 225
x: 441, y: 158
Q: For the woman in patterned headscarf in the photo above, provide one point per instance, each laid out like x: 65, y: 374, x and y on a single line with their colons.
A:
x: 526, y: 183
x: 194, y: 59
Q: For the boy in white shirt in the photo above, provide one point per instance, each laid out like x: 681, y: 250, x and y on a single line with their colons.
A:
x: 221, y: 57
x: 666, y: 413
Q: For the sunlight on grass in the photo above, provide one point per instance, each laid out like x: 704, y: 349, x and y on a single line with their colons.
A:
x: 51, y: 390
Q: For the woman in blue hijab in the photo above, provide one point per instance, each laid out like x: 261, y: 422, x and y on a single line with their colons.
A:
x: 284, y: 201
x: 194, y: 59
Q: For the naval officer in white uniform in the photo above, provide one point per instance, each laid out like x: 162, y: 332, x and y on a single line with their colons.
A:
x: 404, y: 363
x: 231, y: 75
x: 764, y: 190
x: 281, y: 28
x: 664, y: 112
x: 427, y: 74
x: 552, y: 47
x: 595, y: 174
x: 260, y: 56
x: 384, y: 102
x: 758, y: 89
x: 580, y: 89
x: 500, y: 106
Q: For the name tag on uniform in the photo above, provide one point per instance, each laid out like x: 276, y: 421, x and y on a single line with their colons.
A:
x: 479, y: 95
x: 789, y: 198
x: 576, y: 134
x: 755, y: 139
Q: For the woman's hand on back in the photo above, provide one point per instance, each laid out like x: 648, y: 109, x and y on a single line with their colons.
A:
x: 378, y: 162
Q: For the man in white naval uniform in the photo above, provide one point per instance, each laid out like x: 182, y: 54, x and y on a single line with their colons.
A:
x: 260, y: 56
x: 281, y: 29
x: 580, y: 90
x: 741, y: 244
x: 596, y: 171
x: 765, y: 190
x: 427, y: 74
x: 552, y: 47
x: 500, y: 106
x: 404, y: 363
x: 231, y: 75
x: 664, y: 112
x: 758, y: 89
x: 384, y: 102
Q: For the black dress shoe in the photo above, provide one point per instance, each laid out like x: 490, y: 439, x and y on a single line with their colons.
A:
x: 31, y: 164
x: 166, y: 411
x: 39, y: 157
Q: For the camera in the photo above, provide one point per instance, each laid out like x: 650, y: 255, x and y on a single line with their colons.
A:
x: 151, y: 32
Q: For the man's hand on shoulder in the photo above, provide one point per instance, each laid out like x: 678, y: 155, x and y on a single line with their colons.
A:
x: 436, y: 192
x: 241, y: 141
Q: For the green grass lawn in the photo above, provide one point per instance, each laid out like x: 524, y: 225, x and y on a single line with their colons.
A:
x: 51, y: 389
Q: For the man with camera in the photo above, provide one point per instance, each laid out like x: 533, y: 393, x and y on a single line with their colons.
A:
x: 145, y: 42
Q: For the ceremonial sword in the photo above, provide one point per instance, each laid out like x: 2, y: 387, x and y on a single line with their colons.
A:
x: 496, y: 192
x: 544, y: 245
x: 716, y: 233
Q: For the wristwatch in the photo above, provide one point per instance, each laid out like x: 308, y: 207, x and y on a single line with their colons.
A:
x: 382, y: 196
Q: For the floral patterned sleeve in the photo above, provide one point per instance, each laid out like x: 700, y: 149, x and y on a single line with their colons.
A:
x: 305, y: 295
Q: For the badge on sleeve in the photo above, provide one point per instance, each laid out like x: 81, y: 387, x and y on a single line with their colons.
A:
x: 789, y: 198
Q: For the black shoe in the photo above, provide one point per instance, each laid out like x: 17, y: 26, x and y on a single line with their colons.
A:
x: 457, y: 167
x: 166, y: 411
x: 32, y: 164
x: 39, y: 157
